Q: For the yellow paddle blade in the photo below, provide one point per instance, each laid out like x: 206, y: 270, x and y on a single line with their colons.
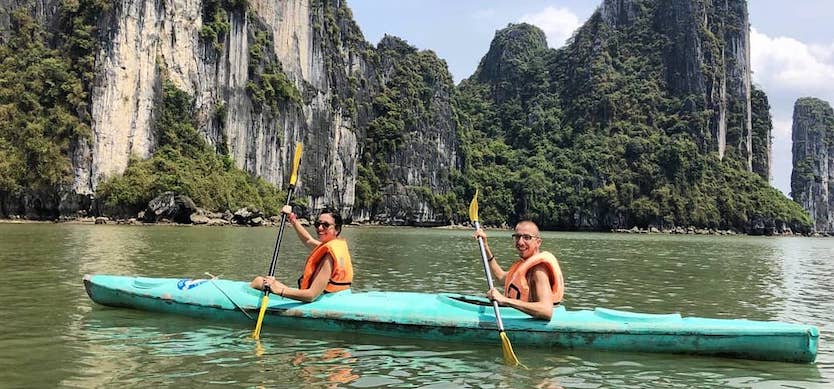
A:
x: 256, y: 334
x: 473, y: 208
x: 296, y: 160
x: 509, y: 356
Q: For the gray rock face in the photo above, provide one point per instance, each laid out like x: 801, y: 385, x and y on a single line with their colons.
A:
x: 619, y: 13
x: 812, y: 184
x: 41, y: 10
x: 317, y: 46
x: 420, y: 165
x: 144, y: 41
x: 321, y: 51
x: 709, y: 55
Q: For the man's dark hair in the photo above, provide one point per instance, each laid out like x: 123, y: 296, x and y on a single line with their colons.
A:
x: 337, y: 217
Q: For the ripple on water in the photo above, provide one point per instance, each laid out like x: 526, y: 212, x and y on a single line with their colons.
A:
x: 70, y: 341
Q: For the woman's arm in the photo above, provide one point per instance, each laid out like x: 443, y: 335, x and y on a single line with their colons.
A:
x: 302, y: 233
x: 316, y: 288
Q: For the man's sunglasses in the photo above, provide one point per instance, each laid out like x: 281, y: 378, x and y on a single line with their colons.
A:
x: 318, y: 224
x: 526, y: 237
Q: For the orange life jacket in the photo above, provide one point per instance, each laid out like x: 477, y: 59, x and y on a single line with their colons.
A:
x: 515, y: 282
x: 342, y: 274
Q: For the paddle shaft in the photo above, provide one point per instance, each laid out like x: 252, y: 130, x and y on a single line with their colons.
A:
x: 489, y: 278
x: 274, y: 262
x: 296, y: 160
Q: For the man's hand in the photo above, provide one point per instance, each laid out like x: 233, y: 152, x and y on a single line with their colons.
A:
x: 494, y: 294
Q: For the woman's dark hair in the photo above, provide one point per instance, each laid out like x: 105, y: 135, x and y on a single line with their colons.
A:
x: 337, y: 217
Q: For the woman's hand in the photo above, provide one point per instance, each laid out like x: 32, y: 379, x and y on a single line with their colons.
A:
x: 276, y: 286
x: 287, y: 210
x: 257, y: 283
x: 480, y: 233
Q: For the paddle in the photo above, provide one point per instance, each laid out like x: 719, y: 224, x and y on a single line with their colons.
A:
x: 296, y: 160
x: 509, y: 355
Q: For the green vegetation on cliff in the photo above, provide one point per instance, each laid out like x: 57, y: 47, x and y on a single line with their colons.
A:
x: 185, y: 164
x: 617, y: 129
x: 44, y: 109
x: 762, y: 130
x: 215, y: 15
x: 588, y: 137
x: 399, y: 108
x: 813, y: 138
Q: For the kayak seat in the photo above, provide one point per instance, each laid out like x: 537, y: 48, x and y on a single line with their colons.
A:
x: 469, y: 299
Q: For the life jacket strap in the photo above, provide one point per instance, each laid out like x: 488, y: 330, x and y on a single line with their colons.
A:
x: 514, y: 292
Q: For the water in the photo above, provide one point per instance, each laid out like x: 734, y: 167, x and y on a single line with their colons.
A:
x: 53, y: 336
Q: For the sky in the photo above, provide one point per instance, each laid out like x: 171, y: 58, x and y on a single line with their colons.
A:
x: 792, y: 44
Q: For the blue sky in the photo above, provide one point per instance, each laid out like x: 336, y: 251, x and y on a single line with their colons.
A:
x: 792, y: 44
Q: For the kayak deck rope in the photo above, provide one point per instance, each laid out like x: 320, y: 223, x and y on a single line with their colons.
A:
x: 214, y: 277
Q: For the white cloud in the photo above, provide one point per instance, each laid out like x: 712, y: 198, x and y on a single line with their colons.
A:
x: 824, y: 53
x: 782, y: 161
x: 787, y: 69
x: 788, y: 63
x: 557, y: 23
x: 782, y: 128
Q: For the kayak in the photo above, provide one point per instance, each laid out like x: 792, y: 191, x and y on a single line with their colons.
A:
x: 461, y: 318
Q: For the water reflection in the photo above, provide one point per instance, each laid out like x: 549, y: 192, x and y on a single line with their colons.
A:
x: 54, y: 336
x: 116, y: 249
x: 331, y: 365
x: 417, y: 260
x: 664, y: 273
x: 806, y: 266
x: 169, y: 349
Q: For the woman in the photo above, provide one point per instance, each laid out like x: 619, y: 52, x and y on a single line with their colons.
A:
x: 328, y: 269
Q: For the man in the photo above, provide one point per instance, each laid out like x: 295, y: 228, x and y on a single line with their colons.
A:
x: 534, y: 283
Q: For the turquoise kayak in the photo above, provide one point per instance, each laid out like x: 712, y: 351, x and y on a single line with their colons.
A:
x: 461, y: 318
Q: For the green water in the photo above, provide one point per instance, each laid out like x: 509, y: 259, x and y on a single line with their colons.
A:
x: 53, y: 336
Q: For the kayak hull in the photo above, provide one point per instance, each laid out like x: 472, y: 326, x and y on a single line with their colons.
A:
x: 460, y: 318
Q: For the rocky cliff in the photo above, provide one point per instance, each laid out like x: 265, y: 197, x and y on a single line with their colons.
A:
x: 411, y: 148
x: 762, y: 123
x: 645, y: 117
x: 812, y: 178
x: 147, y: 40
x: 264, y: 75
x: 707, y: 60
x: 43, y: 11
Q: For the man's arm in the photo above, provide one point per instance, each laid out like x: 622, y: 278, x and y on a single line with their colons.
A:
x: 497, y: 272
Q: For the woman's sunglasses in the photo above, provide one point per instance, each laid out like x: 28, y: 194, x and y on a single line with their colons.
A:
x: 318, y: 224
